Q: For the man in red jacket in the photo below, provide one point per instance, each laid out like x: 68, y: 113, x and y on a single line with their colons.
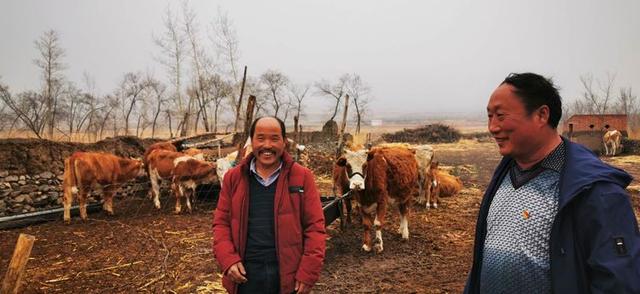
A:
x: 268, y: 227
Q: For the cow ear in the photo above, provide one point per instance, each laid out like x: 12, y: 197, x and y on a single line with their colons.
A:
x: 370, y: 155
x: 341, y: 161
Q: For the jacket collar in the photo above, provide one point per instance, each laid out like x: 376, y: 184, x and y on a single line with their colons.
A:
x: 582, y: 169
x: 287, y: 162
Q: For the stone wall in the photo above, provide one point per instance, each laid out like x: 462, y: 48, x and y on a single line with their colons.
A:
x: 31, y: 170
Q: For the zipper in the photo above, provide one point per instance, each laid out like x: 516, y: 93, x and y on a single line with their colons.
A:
x: 555, y: 230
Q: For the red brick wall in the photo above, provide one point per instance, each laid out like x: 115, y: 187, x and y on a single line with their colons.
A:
x: 582, y: 122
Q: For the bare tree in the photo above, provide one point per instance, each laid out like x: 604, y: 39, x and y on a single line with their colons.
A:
x: 359, y: 92
x: 158, y: 91
x: 298, y: 93
x: 131, y: 90
x: 172, y: 44
x: 225, y: 39
x: 76, y: 109
x: 627, y: 102
x: 219, y: 90
x: 201, y: 64
x: 596, y: 100
x: 29, y: 107
x: 111, y: 103
x: 275, y: 82
x: 49, y: 61
x: 333, y: 90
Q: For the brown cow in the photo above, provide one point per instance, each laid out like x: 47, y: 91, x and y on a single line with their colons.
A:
x: 444, y: 184
x: 166, y: 145
x: 389, y: 172
x: 160, y: 166
x: 195, y: 153
x: 188, y: 173
x: 83, y: 171
x: 158, y: 146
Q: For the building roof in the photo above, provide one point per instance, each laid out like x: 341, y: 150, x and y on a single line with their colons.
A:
x: 599, y: 115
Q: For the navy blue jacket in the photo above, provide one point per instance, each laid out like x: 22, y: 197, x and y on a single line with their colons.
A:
x: 594, y: 243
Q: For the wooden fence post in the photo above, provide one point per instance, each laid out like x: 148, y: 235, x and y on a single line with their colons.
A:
x: 21, y: 253
x: 343, y: 125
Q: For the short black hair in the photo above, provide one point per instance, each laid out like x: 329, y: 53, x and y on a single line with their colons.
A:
x: 252, y: 130
x: 535, y: 90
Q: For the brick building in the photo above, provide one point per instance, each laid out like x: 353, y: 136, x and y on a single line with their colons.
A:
x: 596, y: 122
x: 588, y: 129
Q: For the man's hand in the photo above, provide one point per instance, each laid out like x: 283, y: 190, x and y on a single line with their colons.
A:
x: 302, y: 288
x: 237, y: 273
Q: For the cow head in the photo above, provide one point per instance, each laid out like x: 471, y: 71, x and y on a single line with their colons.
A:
x: 212, y: 176
x: 353, y: 162
x: 140, y: 170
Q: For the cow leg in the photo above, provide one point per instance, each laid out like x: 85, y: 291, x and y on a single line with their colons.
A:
x: 154, y: 177
x: 404, y: 222
x: 378, y: 223
x: 346, y: 209
x: 108, y: 200
x: 82, y: 202
x: 187, y: 196
x: 421, y: 190
x: 178, y: 193
x: 67, y: 200
x: 435, y: 194
x: 367, y: 214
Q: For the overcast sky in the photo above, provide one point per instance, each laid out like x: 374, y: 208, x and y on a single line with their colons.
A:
x: 419, y: 57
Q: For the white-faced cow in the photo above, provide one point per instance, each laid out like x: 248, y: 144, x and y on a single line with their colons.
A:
x: 389, y: 173
x: 348, y: 175
x: 85, y: 171
x: 424, y: 157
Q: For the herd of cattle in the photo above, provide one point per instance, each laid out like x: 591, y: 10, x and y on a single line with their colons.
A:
x: 86, y: 171
x: 388, y: 172
x: 395, y: 172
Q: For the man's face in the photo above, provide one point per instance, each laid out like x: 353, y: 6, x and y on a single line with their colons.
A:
x: 267, y: 142
x: 514, y: 131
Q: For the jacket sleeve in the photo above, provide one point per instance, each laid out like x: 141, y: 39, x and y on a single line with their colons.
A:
x: 608, y: 237
x: 223, y: 248
x: 314, y: 234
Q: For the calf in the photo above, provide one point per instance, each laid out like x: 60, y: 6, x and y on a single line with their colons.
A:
x: 161, y: 164
x: 84, y: 171
x: 389, y: 173
x: 188, y: 173
x: 158, y: 146
x: 444, y: 184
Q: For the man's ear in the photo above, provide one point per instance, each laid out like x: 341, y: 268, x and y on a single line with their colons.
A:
x: 544, y: 113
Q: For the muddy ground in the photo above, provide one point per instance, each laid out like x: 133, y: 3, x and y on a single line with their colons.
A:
x: 144, y: 250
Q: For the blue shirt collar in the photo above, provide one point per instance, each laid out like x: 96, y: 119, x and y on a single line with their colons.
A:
x: 270, y: 179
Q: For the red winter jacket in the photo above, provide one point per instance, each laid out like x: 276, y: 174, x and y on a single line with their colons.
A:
x: 299, y: 224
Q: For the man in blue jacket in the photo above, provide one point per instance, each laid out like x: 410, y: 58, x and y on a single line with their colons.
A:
x: 554, y: 219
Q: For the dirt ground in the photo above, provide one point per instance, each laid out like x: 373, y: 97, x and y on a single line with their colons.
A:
x: 144, y: 250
